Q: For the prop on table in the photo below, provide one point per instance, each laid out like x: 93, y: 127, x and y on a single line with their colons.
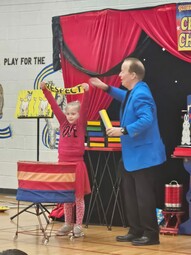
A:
x: 105, y: 118
x: 96, y: 135
x: 184, y: 152
x: 189, y: 106
x: 185, y: 148
x: 96, y: 132
x: 114, y: 141
x: 186, y: 131
x: 110, y: 141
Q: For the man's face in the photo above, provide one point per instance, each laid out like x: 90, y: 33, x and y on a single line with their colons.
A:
x: 125, y: 76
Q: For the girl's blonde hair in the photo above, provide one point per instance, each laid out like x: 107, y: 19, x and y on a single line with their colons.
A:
x: 75, y: 104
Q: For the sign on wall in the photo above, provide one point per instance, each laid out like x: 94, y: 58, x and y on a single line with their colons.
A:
x: 33, y: 104
x: 183, y: 22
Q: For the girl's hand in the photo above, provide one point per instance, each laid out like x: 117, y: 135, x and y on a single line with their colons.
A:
x: 42, y: 85
x: 85, y: 86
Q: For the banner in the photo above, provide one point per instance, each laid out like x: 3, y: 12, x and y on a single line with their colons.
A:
x: 65, y: 91
x: 183, y: 23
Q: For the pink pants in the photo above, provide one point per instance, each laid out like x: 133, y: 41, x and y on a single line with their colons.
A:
x: 69, y: 213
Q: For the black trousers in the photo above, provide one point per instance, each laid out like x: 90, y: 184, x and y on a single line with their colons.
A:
x: 139, y: 196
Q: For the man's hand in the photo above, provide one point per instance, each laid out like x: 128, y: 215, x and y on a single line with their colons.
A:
x: 98, y: 83
x: 114, y: 131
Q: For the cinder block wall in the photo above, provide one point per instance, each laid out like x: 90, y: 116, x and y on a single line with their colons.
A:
x: 25, y: 50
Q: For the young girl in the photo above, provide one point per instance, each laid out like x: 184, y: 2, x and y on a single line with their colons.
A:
x: 71, y: 149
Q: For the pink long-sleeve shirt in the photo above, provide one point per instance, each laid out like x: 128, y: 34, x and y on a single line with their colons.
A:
x: 72, y: 136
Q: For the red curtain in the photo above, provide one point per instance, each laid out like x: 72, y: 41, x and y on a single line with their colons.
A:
x: 159, y: 23
x: 99, y: 40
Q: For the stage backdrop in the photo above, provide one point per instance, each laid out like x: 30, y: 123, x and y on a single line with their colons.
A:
x: 95, y: 43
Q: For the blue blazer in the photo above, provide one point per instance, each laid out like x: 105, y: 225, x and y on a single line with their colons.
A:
x: 142, y: 147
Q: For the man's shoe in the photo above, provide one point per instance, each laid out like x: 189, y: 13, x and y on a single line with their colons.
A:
x: 144, y: 240
x: 126, y: 238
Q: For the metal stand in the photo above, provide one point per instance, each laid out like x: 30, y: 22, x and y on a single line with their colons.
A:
x: 41, y: 210
x: 172, y: 222
x: 95, y: 195
x: 38, y: 210
x: 106, y: 160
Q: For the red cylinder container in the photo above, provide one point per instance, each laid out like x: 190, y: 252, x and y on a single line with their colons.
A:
x: 173, y: 196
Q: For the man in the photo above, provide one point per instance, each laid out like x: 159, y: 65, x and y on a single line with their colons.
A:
x: 143, y: 151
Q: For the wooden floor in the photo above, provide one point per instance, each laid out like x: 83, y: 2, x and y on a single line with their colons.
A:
x: 97, y: 239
